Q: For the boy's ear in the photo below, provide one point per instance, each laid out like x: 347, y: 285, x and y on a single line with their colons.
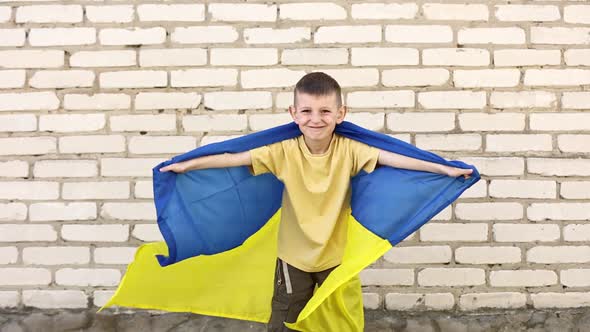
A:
x: 341, y: 114
x: 292, y: 112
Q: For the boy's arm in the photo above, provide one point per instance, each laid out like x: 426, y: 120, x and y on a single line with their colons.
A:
x: 212, y: 161
x: 399, y: 161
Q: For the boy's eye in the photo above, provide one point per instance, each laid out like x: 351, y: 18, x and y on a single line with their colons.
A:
x: 326, y: 111
x: 305, y: 111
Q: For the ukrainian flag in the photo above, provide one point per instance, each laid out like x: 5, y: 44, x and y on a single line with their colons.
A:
x: 220, y: 229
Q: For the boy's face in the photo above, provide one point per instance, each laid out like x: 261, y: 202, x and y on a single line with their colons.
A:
x: 317, y: 116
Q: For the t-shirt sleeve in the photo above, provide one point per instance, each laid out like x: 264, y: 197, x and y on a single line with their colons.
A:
x: 267, y: 159
x: 365, y: 157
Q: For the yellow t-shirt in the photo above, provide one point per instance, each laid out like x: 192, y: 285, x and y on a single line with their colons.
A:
x: 316, y: 198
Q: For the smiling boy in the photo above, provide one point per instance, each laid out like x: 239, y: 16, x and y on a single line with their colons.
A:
x: 316, y: 169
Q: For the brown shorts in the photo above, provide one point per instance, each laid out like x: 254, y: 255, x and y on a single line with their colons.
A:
x: 292, y: 289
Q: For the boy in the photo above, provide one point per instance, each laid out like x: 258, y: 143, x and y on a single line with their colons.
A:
x: 315, y: 168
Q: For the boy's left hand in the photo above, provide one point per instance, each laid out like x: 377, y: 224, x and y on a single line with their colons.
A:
x: 454, y: 172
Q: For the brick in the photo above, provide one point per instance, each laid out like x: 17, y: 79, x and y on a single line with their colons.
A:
x: 98, y: 102
x: 71, y: 122
x: 379, y: 11
x: 371, y: 121
x: 455, y: 12
x: 419, y: 255
x: 12, y: 79
x: 133, y: 79
x: 558, y: 211
x: 95, y: 233
x: 114, y: 255
x: 386, y: 56
x: 560, y: 121
x: 232, y: 100
x: 156, y: 144
x: 420, y: 121
x: 450, y: 277
x: 573, y: 143
x: 110, y: 14
x: 523, y: 189
x: 575, y: 57
x: 455, y: 57
x: 31, y: 58
x: 518, y: 142
x: 29, y: 101
x: 132, y: 36
x: 449, y: 142
x: 244, y: 56
x: 56, y: 255
x: 576, y: 232
x: 101, y: 297
x: 166, y: 100
x: 487, y: 255
x: 92, y: 144
x: 454, y: 232
x: 103, y: 59
x: 87, y: 277
x: 387, y: 277
x: 523, y: 99
x: 18, y: 123
x: 9, y: 299
x: 314, y: 56
x: 17, y: 276
x: 62, y: 211
x: 418, y: 34
x: 576, y: 14
x: 560, y: 300
x: 575, y: 277
x: 8, y: 255
x: 26, y: 233
x: 12, y: 37
x: 147, y: 232
x: 173, y: 12
x: 5, y: 13
x: 492, y: 78
x: 143, y: 189
x: 312, y: 11
x: 208, y: 139
x: 29, y: 190
x: 47, y: 299
x: 452, y: 99
x: 415, y: 77
x: 489, y: 211
x: 560, y: 35
x: 242, y: 12
x: 478, y: 190
x: 413, y: 302
x: 558, y: 166
x: 370, y: 301
x: 558, y: 254
x: 62, y: 79
x: 65, y: 168
x: 62, y: 36
x: 556, y: 77
x: 49, y: 14
x: 173, y: 57
x: 215, y: 122
x: 204, y: 77
x: 268, y: 78
x: 27, y: 145
x: 161, y: 122
x: 205, y: 34
x: 575, y: 189
x: 13, y: 211
x: 96, y: 190
x: 508, y: 35
x: 276, y: 36
x: 526, y: 57
x: 128, y: 166
x: 380, y: 99
x: 496, y: 300
x: 522, y: 278
x: 348, y: 34
x: 523, y: 13
x: 492, y: 122
x: 264, y: 121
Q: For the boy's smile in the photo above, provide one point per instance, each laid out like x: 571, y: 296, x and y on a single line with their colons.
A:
x: 317, y: 117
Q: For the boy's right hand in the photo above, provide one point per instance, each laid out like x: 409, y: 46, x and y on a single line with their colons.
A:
x: 176, y: 168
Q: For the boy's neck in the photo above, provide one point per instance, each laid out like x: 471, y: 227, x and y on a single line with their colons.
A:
x: 318, y: 147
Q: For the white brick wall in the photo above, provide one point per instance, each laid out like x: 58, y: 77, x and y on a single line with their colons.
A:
x: 93, y: 96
